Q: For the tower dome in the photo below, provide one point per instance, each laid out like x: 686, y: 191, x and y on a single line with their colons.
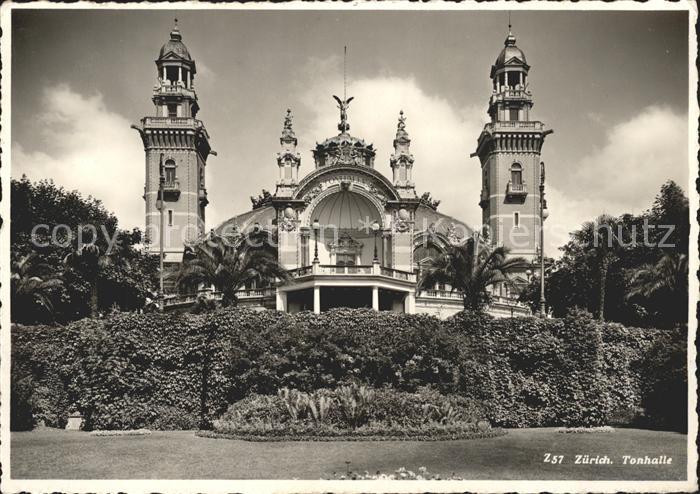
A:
x: 510, y: 51
x: 176, y: 46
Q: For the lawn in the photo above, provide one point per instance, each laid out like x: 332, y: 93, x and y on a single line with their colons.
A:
x: 50, y: 453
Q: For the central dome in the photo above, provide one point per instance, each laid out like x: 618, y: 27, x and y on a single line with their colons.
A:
x: 346, y: 210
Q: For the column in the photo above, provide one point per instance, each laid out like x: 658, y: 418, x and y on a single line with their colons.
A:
x: 165, y: 75
x: 375, y: 297
x: 317, y: 300
x: 410, y: 303
x: 281, y: 300
x: 179, y: 74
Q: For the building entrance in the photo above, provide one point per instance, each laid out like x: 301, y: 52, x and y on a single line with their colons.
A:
x: 341, y: 296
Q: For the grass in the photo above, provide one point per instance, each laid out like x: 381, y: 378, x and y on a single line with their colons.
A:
x: 50, y: 453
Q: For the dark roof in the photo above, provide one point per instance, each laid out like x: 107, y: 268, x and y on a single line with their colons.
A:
x: 176, y: 46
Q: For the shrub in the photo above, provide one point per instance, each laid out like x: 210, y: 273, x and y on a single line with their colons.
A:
x: 351, y: 410
x: 182, y: 371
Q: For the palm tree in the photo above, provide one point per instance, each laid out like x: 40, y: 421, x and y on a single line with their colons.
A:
x: 471, y: 271
x: 601, y: 243
x: 90, y: 260
x: 32, y: 282
x: 229, y: 263
x: 669, y: 277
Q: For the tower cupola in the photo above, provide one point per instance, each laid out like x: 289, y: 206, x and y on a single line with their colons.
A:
x: 174, y: 94
x: 511, y: 99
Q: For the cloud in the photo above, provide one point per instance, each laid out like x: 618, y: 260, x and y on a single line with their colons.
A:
x: 442, y: 135
x: 622, y: 176
x: 88, y: 148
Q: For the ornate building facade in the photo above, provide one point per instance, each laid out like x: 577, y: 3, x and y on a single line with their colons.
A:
x: 348, y: 235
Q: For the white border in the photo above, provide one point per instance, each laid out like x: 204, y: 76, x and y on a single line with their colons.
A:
x: 225, y: 486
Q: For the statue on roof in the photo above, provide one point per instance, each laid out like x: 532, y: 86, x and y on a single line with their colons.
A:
x: 343, y: 126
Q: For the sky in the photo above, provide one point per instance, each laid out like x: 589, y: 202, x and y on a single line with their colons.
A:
x: 612, y: 85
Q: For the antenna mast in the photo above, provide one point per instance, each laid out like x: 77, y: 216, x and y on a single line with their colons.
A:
x: 345, y: 84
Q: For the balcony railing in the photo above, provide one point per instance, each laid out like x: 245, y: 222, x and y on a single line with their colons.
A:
x: 443, y: 294
x: 359, y: 270
x: 171, y: 185
x: 516, y: 190
x: 515, y: 125
x: 171, y: 121
x: 172, y: 89
x: 244, y: 294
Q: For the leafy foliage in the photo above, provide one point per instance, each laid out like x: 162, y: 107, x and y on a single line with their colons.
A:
x: 348, y: 409
x: 92, y: 280
x: 639, y: 280
x: 471, y: 271
x: 170, y: 371
x: 230, y: 263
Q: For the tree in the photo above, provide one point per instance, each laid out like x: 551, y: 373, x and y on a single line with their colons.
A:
x: 665, y: 281
x: 47, y: 221
x: 33, y: 284
x: 602, y: 243
x: 229, y: 263
x: 471, y: 270
x: 643, y: 240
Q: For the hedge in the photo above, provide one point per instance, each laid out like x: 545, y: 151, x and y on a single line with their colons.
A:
x: 182, y: 371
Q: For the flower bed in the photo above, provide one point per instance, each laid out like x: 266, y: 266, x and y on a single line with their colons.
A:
x: 353, y: 413
x: 137, y: 432
x: 586, y: 430
x: 366, y: 434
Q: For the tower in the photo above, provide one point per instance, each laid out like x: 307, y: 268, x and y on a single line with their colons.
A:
x: 401, y: 161
x: 509, y: 150
x: 288, y: 159
x: 177, y: 145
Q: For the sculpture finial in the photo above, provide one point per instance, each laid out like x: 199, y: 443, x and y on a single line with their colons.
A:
x: 343, y: 104
x: 287, y: 130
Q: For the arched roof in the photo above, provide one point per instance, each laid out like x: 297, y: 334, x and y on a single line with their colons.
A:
x: 245, y: 221
x: 317, y: 174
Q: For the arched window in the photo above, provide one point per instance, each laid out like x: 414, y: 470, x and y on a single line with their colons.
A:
x: 516, y: 174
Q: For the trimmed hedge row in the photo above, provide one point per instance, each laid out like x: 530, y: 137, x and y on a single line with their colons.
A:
x: 168, y: 371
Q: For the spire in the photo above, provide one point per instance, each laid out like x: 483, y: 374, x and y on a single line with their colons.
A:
x: 510, y: 39
x: 288, y: 159
x: 401, y: 161
x: 287, y: 130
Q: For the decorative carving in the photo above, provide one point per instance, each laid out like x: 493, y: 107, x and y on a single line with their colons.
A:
x: 453, y: 236
x: 345, y: 244
x: 311, y: 195
x: 427, y: 200
x: 400, y: 222
x: 344, y: 154
x: 262, y: 199
x: 288, y: 224
x: 287, y: 131
x: 378, y: 194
